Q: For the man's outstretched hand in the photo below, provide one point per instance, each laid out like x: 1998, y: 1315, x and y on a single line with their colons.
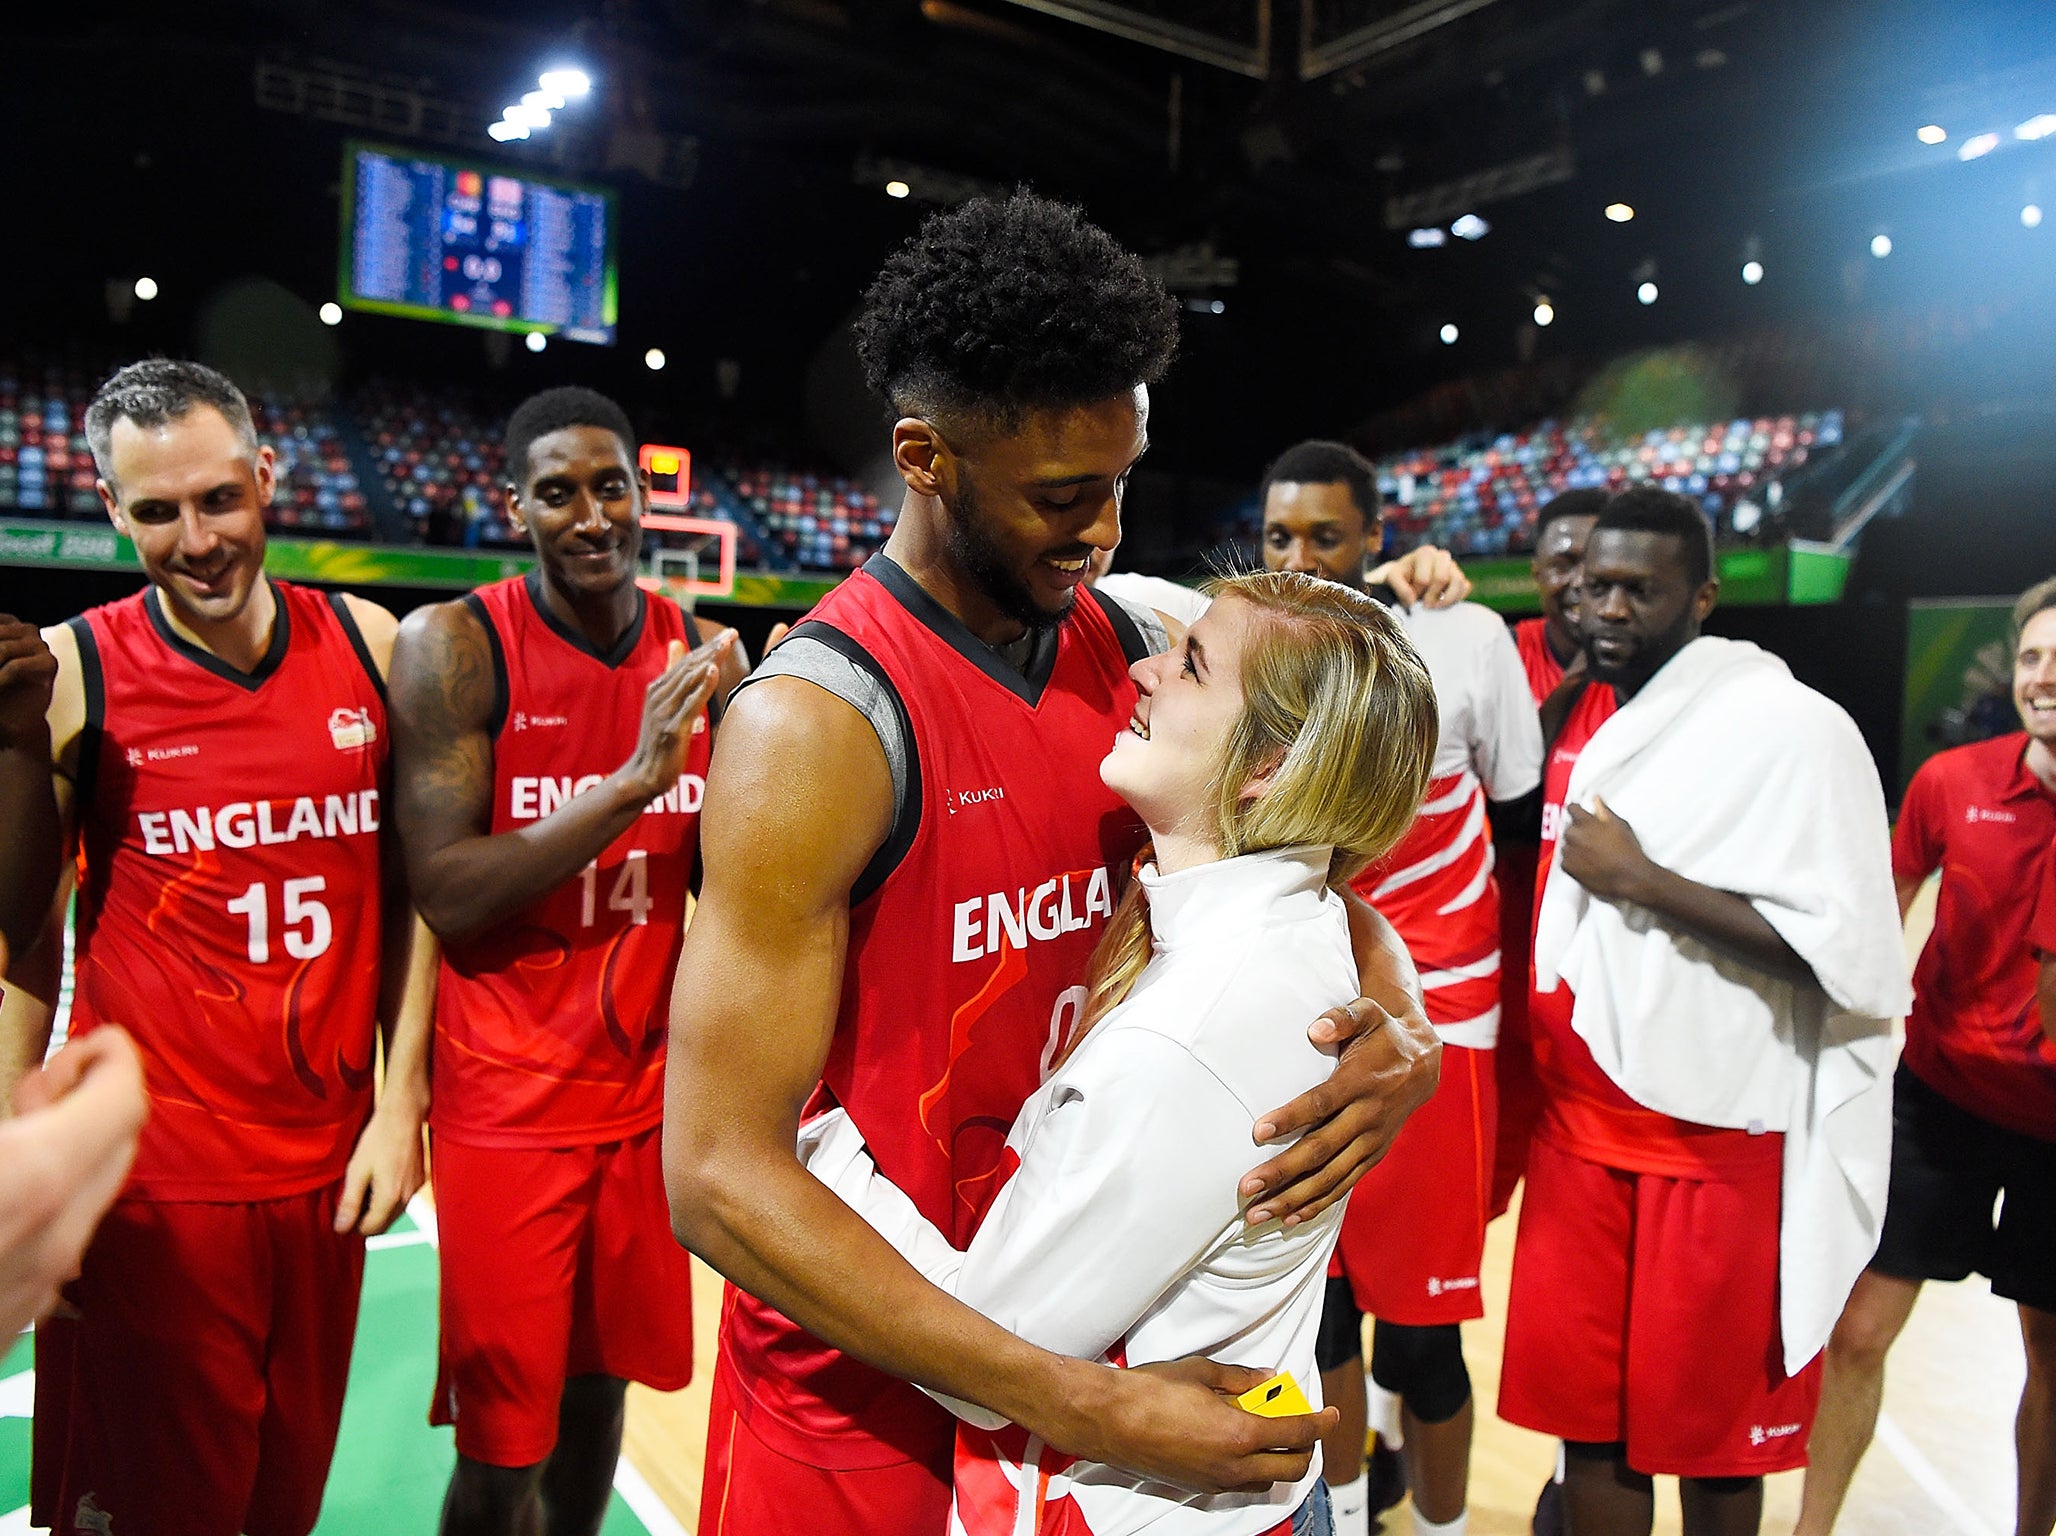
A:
x: 1178, y: 1423
x: 1389, y: 1068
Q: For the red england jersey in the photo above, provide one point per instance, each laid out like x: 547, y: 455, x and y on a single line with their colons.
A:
x: 965, y: 965
x: 228, y: 916
x: 1537, y: 660
x: 550, y: 1025
x: 1584, y: 1111
x: 1974, y: 1036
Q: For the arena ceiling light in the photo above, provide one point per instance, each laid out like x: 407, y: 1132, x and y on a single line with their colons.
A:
x: 1932, y: 133
x: 1979, y: 147
x: 146, y: 288
x: 2031, y: 216
x: 566, y: 81
x: 1426, y: 239
x: 1545, y: 312
x: 1449, y: 333
x: 1619, y: 213
x: 1646, y: 294
x: 654, y: 359
x: 1470, y: 227
x: 536, y: 341
x: 2039, y: 126
x: 556, y: 88
x: 898, y: 189
x: 331, y: 313
x: 1752, y: 272
x: 1881, y: 245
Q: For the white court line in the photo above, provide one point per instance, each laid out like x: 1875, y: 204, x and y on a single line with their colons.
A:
x: 1924, y: 1473
x: 640, y: 1497
x: 385, y: 1240
x: 16, y: 1523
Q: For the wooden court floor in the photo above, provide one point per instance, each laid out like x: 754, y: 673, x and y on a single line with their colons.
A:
x: 1942, y: 1464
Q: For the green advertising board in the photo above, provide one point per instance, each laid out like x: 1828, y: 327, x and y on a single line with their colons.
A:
x: 1959, y: 676
x: 345, y: 563
x: 1794, y: 573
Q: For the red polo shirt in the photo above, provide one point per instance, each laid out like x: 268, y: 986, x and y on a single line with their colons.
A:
x: 2041, y: 932
x: 1974, y: 1036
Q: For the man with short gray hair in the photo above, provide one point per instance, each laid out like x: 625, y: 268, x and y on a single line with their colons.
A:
x: 218, y: 748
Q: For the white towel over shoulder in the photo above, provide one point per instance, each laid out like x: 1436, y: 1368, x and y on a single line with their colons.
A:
x: 1734, y: 774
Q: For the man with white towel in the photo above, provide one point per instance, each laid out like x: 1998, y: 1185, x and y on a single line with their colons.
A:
x: 1717, y: 964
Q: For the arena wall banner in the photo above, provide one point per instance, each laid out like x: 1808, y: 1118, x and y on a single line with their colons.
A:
x: 96, y: 546
x: 1959, y: 677
x: 1797, y: 573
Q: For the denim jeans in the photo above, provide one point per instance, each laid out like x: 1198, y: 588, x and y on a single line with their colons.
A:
x: 1313, y: 1518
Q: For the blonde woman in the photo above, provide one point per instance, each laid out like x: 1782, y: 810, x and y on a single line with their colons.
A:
x: 1281, y: 747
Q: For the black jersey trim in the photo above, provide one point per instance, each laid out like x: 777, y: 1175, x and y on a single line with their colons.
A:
x: 906, y: 814
x: 93, y: 682
x: 694, y: 639
x: 341, y: 606
x: 1026, y: 685
x: 274, y: 654
x: 498, y: 717
x: 611, y: 658
x: 1134, y: 644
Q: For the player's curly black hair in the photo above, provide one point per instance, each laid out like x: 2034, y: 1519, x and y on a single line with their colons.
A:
x: 552, y: 410
x: 1002, y: 306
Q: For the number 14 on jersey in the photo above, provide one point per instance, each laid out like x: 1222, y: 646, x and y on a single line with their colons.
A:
x: 630, y: 892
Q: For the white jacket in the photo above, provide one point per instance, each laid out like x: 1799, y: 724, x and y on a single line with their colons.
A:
x: 1121, y: 1228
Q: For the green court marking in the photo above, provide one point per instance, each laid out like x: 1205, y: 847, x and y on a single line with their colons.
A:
x: 391, y: 1467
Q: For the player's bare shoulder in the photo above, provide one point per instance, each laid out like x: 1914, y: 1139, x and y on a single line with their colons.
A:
x: 67, y: 714
x: 441, y: 676
x: 800, y: 766
x: 378, y: 628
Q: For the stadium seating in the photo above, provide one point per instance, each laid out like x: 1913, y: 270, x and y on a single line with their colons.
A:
x: 440, y: 459
x: 317, y: 489
x: 817, y: 522
x: 46, y: 466
x: 46, y: 469
x: 1479, y: 496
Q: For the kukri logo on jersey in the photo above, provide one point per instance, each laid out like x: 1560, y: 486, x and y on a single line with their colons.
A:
x: 1061, y: 904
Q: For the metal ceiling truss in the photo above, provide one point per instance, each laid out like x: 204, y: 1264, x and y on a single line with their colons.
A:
x: 1246, y: 54
x: 1332, y: 33
x: 1323, y: 50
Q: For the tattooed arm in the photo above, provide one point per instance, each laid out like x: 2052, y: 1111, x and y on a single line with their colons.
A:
x: 443, y: 701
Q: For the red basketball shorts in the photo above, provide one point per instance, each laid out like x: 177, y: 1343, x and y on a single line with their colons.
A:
x: 1644, y: 1309
x: 1415, y: 1230
x: 555, y: 1263
x: 752, y: 1487
x: 199, y: 1389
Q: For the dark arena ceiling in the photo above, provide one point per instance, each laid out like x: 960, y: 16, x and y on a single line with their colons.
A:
x: 1276, y: 155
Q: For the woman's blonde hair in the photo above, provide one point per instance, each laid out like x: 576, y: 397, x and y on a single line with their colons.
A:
x: 1339, y: 719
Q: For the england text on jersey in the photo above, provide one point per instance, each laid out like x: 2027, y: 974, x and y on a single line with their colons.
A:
x: 249, y: 823
x: 531, y: 799
x: 978, y: 926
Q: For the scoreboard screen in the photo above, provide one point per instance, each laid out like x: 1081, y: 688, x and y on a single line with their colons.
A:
x: 450, y: 239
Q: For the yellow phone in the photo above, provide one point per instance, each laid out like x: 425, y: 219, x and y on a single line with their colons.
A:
x: 1277, y: 1398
